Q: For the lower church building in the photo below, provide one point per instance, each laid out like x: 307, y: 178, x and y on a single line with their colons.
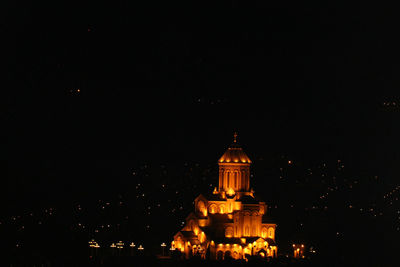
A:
x: 231, y: 222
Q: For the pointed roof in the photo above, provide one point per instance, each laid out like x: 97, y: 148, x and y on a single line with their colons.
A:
x: 234, y: 153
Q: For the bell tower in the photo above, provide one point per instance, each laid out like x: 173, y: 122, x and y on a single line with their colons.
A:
x: 234, y: 169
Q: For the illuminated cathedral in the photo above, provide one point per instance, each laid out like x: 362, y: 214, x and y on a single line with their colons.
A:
x: 231, y: 222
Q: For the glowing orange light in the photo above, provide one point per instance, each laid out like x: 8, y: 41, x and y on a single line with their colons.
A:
x: 204, y: 212
x: 231, y: 192
x: 234, y: 183
x: 221, y: 209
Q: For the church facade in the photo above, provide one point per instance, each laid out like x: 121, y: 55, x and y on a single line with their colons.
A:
x: 231, y: 222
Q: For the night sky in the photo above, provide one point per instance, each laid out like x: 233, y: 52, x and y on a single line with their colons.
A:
x: 92, y: 90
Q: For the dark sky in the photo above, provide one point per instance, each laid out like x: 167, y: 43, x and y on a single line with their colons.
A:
x: 172, y: 83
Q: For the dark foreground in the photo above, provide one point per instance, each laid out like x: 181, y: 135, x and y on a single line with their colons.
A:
x: 151, y: 261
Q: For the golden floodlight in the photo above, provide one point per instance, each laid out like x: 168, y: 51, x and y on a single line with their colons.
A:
x: 225, y: 217
x: 231, y: 192
x: 204, y: 212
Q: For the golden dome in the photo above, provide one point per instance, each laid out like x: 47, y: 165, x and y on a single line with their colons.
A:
x: 234, y: 154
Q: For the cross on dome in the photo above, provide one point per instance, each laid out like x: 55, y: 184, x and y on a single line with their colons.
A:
x: 234, y: 153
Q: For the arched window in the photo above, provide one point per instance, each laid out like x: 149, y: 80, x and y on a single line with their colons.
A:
x: 236, y: 180
x: 264, y: 232
x: 220, y: 255
x: 227, y: 178
x: 235, y: 255
x: 243, y: 180
x: 212, y: 208
x: 229, y: 231
x: 227, y: 255
x: 221, y: 178
x: 271, y: 232
x: 222, y: 208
